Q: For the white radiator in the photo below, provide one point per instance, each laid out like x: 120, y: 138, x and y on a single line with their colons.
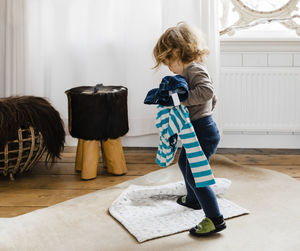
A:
x: 260, y: 100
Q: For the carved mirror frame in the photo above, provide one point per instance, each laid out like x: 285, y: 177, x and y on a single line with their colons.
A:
x: 249, y: 17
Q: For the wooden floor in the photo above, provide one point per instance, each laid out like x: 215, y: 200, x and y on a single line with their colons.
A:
x: 43, y: 187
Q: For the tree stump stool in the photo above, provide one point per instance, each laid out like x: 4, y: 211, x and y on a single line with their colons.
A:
x: 98, y: 114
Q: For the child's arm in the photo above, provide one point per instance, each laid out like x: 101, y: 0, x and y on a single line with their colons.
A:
x: 200, y: 86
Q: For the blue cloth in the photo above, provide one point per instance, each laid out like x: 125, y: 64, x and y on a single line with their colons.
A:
x: 169, y: 84
x: 209, y: 137
x: 176, y: 121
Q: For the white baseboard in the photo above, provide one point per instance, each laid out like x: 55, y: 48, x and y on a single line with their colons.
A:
x: 227, y: 141
x: 70, y: 141
x: 287, y: 141
x: 138, y: 141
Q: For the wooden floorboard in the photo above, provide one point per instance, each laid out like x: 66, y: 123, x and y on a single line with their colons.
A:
x: 67, y: 182
x: 37, y: 197
x: 42, y: 187
x: 64, y: 168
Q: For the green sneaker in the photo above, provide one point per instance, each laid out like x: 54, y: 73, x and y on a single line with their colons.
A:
x: 207, y: 227
x: 183, y: 202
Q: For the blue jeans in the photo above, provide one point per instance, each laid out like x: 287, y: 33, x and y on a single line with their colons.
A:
x: 208, y: 137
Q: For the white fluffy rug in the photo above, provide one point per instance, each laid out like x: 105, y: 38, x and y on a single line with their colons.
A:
x: 151, y: 211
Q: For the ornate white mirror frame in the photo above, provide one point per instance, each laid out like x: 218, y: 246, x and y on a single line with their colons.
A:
x: 249, y: 16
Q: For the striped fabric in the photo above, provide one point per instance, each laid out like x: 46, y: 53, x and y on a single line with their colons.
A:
x: 176, y: 120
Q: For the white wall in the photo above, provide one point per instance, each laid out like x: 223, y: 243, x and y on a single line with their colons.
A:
x: 2, y: 51
x: 279, y: 123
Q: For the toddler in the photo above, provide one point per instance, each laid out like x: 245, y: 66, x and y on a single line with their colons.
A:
x: 181, y: 49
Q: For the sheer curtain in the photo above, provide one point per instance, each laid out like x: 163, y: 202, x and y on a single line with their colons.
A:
x: 67, y: 43
x: 12, y: 47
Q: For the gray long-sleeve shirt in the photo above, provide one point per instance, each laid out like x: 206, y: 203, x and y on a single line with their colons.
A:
x: 202, y: 99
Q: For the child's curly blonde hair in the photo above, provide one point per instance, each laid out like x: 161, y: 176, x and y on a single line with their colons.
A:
x: 182, y: 42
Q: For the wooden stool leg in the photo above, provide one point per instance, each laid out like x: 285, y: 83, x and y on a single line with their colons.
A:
x: 113, y: 156
x: 90, y: 158
x: 103, y: 155
x: 78, y: 162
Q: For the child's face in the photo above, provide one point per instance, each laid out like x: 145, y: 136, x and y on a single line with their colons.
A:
x: 176, y: 66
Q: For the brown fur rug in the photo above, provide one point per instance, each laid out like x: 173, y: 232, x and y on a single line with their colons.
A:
x: 24, y: 111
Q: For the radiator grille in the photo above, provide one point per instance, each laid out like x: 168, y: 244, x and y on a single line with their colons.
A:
x: 260, y: 99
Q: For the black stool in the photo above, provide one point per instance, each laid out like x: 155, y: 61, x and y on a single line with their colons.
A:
x: 98, y: 113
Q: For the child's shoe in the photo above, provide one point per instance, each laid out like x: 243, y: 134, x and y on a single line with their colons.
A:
x: 183, y: 202
x: 209, y: 226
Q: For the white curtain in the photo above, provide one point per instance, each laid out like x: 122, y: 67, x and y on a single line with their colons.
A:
x: 67, y: 43
x: 12, y: 47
